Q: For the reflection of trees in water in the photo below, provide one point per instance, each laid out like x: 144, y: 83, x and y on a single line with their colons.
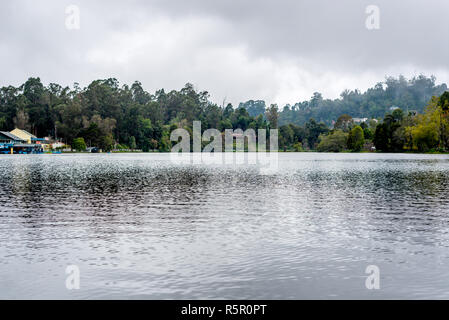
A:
x: 394, y: 200
x: 20, y: 176
x: 100, y: 197
x: 24, y: 182
x: 27, y: 182
x: 408, y: 204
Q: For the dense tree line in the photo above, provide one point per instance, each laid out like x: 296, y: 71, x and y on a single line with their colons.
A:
x: 107, y: 115
x: 409, y: 95
x: 398, y: 132
x: 427, y: 132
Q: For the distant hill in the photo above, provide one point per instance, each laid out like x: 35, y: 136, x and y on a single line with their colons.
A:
x: 413, y: 94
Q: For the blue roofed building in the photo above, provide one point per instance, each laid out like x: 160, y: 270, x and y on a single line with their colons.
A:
x: 11, y: 143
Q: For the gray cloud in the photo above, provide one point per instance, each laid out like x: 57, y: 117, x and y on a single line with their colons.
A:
x: 280, y: 51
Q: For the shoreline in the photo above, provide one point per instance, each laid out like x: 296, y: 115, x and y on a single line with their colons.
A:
x: 311, y: 151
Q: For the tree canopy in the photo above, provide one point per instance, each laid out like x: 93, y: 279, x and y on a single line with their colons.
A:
x: 105, y: 114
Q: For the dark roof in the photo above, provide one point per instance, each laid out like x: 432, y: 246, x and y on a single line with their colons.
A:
x: 11, y: 136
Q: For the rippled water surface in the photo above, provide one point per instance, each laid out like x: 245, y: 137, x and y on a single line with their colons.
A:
x: 140, y: 226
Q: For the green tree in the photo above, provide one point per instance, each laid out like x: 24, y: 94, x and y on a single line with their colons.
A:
x: 356, y: 139
x: 443, y: 101
x: 398, y: 115
x: 381, y: 138
x: 286, y: 137
x: 272, y: 115
x: 2, y: 123
x: 107, y: 142
x: 344, y: 122
x: 333, y: 142
x: 224, y: 124
x: 425, y: 134
x: 132, y: 143
x: 312, y: 132
x: 368, y: 133
x: 79, y: 144
x: 254, y: 108
x: 298, y: 147
x: 386, y: 138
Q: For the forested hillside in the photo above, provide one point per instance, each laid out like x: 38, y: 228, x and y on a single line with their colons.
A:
x: 408, y: 95
x: 106, y: 113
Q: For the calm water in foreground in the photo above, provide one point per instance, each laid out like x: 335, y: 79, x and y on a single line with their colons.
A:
x: 139, y: 226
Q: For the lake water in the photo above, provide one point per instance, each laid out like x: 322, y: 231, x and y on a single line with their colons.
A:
x: 141, y: 226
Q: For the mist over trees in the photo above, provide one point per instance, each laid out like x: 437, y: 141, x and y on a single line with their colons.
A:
x: 408, y: 95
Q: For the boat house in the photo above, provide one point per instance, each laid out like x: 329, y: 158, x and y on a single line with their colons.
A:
x: 19, y: 142
x: 24, y: 135
x: 9, y: 138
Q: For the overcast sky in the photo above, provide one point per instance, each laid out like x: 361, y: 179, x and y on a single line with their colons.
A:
x: 280, y: 51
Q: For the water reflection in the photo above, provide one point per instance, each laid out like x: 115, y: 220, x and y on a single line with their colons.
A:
x: 140, y: 226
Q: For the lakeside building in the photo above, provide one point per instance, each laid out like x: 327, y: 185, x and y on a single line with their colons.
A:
x: 360, y: 120
x: 392, y: 108
x: 9, y: 138
x: 28, y: 137
x: 56, y: 144
x: 19, y: 142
